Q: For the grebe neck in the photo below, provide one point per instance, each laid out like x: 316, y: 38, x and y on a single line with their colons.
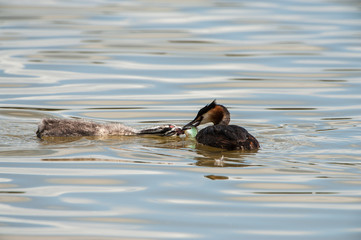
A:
x: 221, y: 115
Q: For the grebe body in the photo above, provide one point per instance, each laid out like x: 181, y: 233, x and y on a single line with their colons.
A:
x: 221, y: 135
x: 51, y: 127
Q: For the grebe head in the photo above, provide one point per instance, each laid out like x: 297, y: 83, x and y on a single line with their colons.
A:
x: 213, y: 112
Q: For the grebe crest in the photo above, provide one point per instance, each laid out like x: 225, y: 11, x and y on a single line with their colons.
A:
x: 221, y: 135
x: 213, y: 112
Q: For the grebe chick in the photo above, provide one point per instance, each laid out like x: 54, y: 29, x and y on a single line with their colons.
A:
x: 221, y: 135
x: 49, y: 127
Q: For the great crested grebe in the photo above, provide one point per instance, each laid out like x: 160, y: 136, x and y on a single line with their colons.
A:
x: 50, y: 127
x: 221, y: 135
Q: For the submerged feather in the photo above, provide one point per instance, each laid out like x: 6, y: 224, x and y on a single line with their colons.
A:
x: 78, y: 127
x: 75, y: 128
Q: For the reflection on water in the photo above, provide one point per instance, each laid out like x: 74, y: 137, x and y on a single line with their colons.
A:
x: 289, y: 72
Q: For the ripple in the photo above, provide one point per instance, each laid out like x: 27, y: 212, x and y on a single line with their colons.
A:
x: 14, y: 199
x: 287, y: 70
x: 70, y: 88
x: 75, y: 172
x: 83, y: 181
x: 55, y: 191
x: 298, y: 198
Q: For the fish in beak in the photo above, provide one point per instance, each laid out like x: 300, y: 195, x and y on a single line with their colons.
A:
x: 193, y: 123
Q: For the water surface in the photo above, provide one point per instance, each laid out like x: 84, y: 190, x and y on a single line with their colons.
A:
x: 289, y: 72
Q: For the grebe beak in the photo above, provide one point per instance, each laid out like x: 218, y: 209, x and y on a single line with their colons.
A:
x: 193, y: 123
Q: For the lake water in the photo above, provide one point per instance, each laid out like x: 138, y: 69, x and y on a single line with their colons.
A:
x: 289, y: 72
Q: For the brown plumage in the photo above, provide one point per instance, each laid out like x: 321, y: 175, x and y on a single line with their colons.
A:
x: 221, y: 135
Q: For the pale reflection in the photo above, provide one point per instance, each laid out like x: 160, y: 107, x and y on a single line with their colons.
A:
x: 77, y: 172
x: 96, y: 230
x: 300, y: 74
x: 318, y: 205
x: 278, y: 233
x: 266, y: 84
x: 10, y: 210
x: 106, y: 103
x: 114, y: 220
x: 84, y: 181
x: 55, y: 190
x: 13, y: 199
x: 71, y: 88
x: 127, y: 114
x: 186, y: 201
x: 213, y: 67
x: 73, y: 200
x: 290, y: 197
x: 21, y: 113
x: 275, y: 186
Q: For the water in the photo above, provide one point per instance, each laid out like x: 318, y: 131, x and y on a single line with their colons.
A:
x: 289, y: 72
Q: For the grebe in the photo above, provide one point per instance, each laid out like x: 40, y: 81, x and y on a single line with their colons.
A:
x: 50, y: 127
x: 221, y: 135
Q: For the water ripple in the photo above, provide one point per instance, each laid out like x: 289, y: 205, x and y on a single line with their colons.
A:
x: 288, y: 71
